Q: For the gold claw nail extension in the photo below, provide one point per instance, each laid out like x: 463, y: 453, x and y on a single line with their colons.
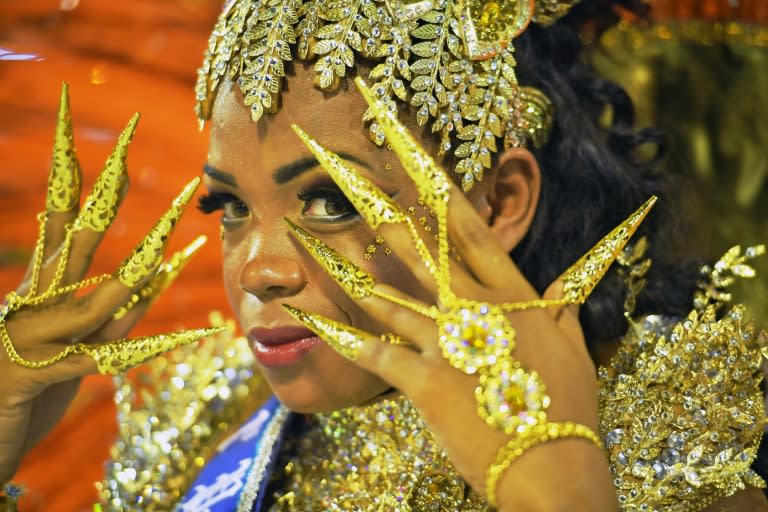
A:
x: 101, y: 205
x: 148, y: 256
x: 116, y: 357
x: 373, y: 204
x: 345, y: 339
x: 582, y: 277
x: 354, y: 280
x: 165, y: 276
x: 432, y: 183
x: 64, y: 181
x: 370, y: 201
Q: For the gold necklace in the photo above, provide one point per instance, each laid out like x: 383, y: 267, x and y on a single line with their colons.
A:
x: 370, y: 458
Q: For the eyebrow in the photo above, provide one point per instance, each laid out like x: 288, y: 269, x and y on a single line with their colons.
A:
x: 284, y: 173
x: 292, y: 170
x: 218, y: 175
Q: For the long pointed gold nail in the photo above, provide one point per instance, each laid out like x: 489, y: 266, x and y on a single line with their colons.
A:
x: 165, y: 276
x: 116, y: 357
x: 64, y: 181
x: 432, y: 183
x: 582, y: 277
x: 148, y: 256
x: 370, y: 201
x: 101, y: 205
x: 345, y: 339
x: 355, y: 281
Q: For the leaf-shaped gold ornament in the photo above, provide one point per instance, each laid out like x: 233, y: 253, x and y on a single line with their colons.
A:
x: 421, y: 54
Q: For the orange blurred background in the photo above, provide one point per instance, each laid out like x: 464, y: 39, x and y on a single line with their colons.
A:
x: 122, y: 56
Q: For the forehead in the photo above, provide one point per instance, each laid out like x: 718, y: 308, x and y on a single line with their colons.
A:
x: 333, y: 119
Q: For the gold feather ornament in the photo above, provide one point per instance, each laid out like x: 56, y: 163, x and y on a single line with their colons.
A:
x: 452, y: 61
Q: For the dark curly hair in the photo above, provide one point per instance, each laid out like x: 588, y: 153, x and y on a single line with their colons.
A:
x: 593, y: 177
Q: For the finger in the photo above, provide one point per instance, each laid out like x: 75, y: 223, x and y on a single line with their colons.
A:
x: 403, y: 315
x: 115, y: 357
x: 387, y: 305
x: 77, y: 318
x: 432, y: 183
x: 381, y: 213
x: 566, y: 316
x: 401, y: 367
x: 111, y: 358
x: 62, y: 198
x: 581, y: 278
x: 355, y: 281
x: 43, y: 331
x: 436, y: 189
x: 393, y: 363
x: 148, y: 256
x: 95, y: 217
x: 163, y: 278
x: 92, y: 311
x: 479, y: 249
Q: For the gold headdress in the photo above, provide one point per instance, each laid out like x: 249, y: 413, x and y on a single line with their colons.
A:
x: 452, y: 60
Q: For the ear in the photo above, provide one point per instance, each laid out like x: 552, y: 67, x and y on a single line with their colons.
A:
x: 509, y: 195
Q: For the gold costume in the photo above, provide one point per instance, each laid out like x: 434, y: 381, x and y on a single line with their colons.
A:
x: 681, y: 415
x: 681, y: 409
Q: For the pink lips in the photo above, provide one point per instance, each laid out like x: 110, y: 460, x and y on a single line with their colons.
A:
x: 282, y: 346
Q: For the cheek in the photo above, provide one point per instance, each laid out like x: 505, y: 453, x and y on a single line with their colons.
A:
x: 232, y: 262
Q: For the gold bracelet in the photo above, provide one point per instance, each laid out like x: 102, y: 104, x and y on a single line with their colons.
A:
x: 535, y: 435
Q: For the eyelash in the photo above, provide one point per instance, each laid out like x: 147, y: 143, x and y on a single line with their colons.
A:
x: 215, y: 201
x: 219, y: 201
x: 223, y: 201
x: 330, y: 193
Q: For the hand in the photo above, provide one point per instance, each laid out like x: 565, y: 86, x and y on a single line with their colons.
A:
x: 50, y: 337
x: 434, y: 367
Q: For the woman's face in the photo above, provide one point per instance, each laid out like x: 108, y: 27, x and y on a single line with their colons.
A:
x: 260, y: 173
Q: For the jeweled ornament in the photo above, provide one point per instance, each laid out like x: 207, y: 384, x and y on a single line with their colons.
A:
x: 475, y: 335
x: 510, y: 398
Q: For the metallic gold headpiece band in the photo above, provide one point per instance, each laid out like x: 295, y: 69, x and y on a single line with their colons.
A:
x: 452, y: 60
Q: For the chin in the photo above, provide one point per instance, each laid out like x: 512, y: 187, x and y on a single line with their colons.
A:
x: 324, y: 383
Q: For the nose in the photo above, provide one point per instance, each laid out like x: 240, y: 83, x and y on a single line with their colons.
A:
x: 271, y: 277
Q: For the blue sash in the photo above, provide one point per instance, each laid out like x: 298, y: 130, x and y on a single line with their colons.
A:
x: 220, y: 484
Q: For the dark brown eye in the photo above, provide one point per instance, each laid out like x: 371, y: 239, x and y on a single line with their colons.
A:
x: 233, y: 208
x: 325, y: 204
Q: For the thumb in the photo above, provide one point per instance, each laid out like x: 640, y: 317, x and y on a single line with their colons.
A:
x: 566, y: 316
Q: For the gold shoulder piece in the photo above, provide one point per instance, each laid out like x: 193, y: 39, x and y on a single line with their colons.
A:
x: 682, y: 411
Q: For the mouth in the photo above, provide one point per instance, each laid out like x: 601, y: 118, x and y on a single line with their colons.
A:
x: 282, y: 346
